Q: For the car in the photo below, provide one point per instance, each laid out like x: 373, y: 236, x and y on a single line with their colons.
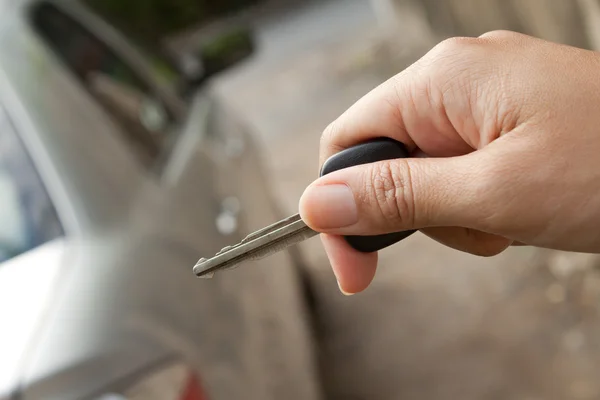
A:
x: 113, y: 185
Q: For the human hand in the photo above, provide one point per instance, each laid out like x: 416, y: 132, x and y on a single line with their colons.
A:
x: 505, y: 134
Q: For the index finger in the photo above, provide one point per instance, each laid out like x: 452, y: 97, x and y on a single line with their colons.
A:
x: 409, y: 108
x: 374, y: 115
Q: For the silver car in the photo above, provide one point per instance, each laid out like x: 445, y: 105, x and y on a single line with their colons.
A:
x: 112, y: 186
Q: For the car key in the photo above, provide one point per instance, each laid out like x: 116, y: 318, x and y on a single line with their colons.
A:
x: 293, y: 230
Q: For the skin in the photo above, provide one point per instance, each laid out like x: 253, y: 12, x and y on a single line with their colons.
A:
x: 505, y: 133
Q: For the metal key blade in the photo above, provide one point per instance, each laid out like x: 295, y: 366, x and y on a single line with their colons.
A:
x: 258, y: 245
x: 271, y: 228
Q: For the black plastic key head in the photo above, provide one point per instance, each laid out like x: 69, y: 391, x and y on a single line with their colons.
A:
x: 367, y: 153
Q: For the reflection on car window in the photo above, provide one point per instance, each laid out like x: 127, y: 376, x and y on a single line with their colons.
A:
x: 27, y: 216
x: 123, y: 94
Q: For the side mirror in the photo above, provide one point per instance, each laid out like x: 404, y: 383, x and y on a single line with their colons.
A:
x: 226, y: 50
x: 217, y: 55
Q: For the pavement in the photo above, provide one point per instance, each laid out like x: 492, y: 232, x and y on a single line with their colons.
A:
x: 436, y: 323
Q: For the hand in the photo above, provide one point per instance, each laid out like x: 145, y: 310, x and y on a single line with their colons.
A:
x: 505, y: 131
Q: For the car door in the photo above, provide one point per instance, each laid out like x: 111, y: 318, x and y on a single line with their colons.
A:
x: 32, y: 251
x: 268, y: 349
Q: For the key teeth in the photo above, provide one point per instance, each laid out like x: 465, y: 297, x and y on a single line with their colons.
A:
x: 249, y: 238
x: 209, y: 275
x: 270, y: 228
x: 199, y: 263
x: 224, y: 249
x: 256, y: 246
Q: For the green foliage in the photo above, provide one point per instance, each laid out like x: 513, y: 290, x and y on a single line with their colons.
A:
x: 227, y: 50
x: 153, y: 19
x: 237, y: 39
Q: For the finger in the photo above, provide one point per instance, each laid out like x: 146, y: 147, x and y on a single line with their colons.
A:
x: 353, y: 270
x: 422, y: 107
x: 394, y: 110
x: 397, y: 195
x: 374, y: 115
x: 469, y: 240
x: 519, y: 244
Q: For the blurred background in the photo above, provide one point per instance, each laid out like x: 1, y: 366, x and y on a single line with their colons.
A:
x: 435, y: 324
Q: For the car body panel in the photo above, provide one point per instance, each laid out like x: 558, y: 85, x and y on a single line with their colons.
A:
x: 126, y: 296
x: 23, y: 307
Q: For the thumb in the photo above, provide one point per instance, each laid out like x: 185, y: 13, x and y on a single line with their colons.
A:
x: 402, y: 194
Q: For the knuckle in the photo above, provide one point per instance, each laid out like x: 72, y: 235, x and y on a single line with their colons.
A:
x: 390, y: 187
x: 451, y: 63
x: 328, y: 133
x: 454, y: 44
x: 492, y: 181
x: 329, y: 138
x: 499, y: 35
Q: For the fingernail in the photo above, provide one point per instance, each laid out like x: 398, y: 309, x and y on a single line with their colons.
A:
x: 343, y: 291
x: 331, y: 206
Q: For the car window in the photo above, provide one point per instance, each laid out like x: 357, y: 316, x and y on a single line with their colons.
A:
x: 28, y: 218
x: 128, y: 99
x: 119, y: 16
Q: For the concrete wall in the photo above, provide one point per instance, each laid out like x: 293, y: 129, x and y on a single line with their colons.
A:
x: 574, y: 22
